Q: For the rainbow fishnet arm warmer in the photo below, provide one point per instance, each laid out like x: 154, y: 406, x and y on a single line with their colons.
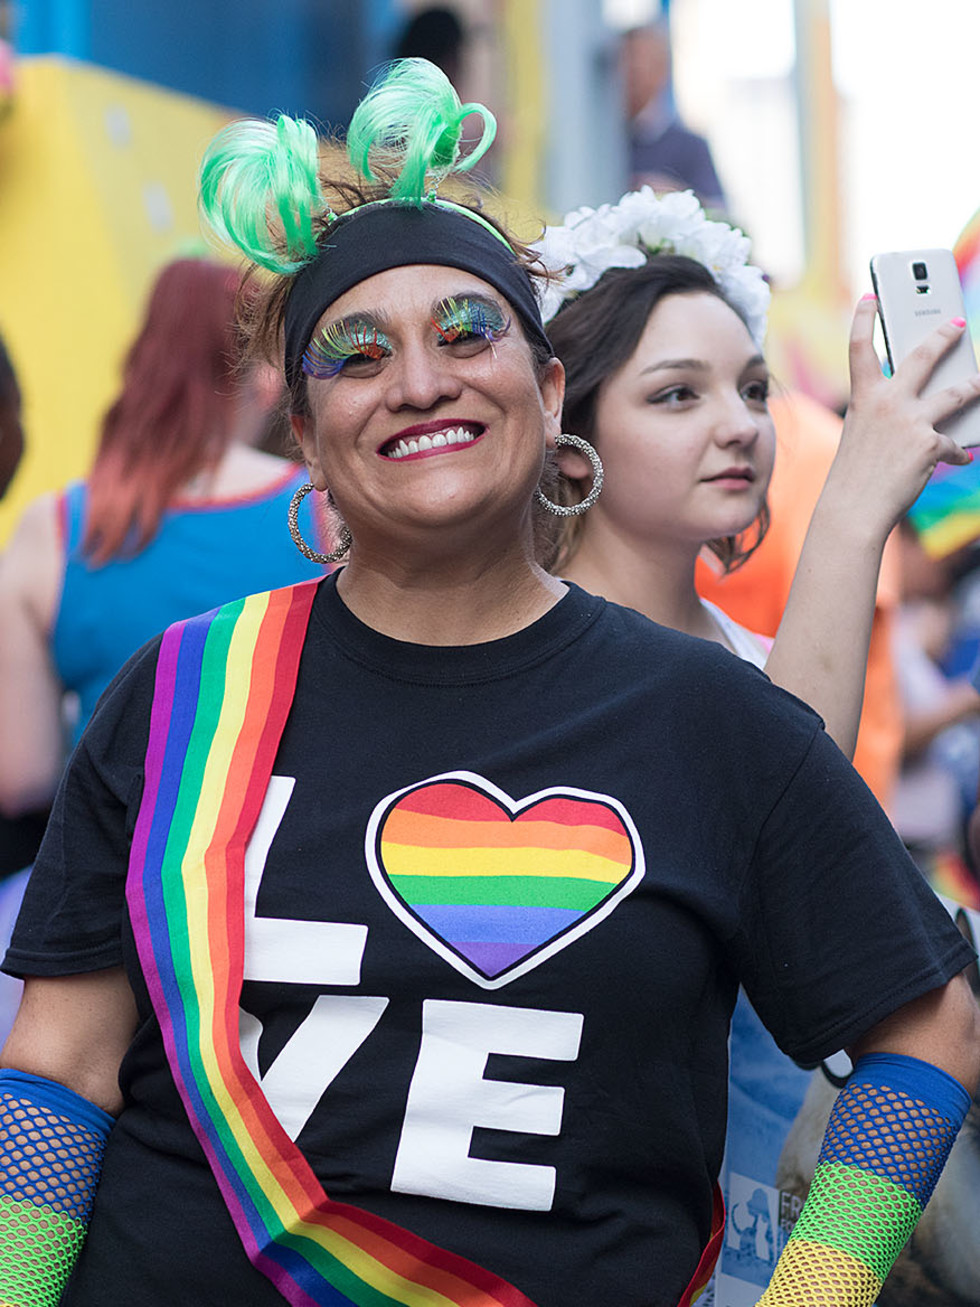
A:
x: 51, y: 1146
x: 886, y: 1143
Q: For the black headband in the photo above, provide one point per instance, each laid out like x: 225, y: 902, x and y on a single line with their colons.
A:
x: 386, y: 235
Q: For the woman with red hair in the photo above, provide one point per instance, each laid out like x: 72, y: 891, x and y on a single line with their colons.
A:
x: 178, y: 514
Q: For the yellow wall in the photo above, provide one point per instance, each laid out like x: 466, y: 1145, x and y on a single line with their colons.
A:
x: 526, y: 71
x: 97, y: 190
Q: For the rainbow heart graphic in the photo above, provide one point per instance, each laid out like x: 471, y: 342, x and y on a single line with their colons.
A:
x: 493, y: 885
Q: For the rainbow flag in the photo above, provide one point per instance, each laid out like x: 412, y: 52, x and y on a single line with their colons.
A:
x: 224, y: 688
x: 947, y: 513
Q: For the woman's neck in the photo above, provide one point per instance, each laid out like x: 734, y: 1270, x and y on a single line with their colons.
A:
x: 655, y: 578
x: 448, y: 601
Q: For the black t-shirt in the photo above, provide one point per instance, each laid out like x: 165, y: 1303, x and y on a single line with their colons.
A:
x: 499, y: 901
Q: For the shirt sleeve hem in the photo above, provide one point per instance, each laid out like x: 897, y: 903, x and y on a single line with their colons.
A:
x: 22, y: 963
x: 843, y: 1034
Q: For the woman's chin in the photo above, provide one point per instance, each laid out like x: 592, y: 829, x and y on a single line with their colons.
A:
x: 471, y: 522
x: 734, y: 523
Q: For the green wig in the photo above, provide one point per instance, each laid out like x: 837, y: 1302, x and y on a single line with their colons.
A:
x: 253, y: 169
x: 413, y: 121
x: 259, y: 183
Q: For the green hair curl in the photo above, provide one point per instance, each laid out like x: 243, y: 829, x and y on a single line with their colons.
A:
x: 253, y: 169
x: 413, y: 119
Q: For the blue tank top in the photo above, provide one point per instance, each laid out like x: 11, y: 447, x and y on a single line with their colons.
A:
x: 204, y: 554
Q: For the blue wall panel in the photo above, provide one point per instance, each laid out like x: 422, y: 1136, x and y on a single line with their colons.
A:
x: 301, y: 56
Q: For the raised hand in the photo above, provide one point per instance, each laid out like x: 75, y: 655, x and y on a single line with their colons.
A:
x: 888, y: 450
x: 890, y: 445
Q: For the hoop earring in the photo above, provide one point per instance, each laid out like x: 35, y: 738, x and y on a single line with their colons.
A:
x: 346, y: 540
x: 575, y: 510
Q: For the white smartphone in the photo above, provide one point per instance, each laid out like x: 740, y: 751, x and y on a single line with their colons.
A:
x: 919, y: 290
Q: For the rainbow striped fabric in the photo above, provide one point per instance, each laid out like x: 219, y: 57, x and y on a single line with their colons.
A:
x: 492, y: 884
x: 946, y: 515
x: 51, y: 1147
x: 223, y: 691
x: 949, y: 876
x: 967, y: 254
x: 887, y: 1141
x: 709, y: 1257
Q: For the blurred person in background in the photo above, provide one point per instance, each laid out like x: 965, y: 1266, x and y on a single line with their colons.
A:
x: 435, y: 32
x: 178, y: 514
x: 663, y: 152
x: 20, y: 835
x: 461, y: 45
x: 939, y: 775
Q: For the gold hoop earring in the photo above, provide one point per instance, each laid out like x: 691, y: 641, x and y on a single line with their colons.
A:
x: 575, y: 510
x: 346, y: 540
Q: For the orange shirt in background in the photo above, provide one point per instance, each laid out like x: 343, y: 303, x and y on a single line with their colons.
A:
x: 807, y: 435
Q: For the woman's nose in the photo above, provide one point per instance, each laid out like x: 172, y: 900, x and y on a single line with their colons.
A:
x: 737, y: 423
x: 421, y: 378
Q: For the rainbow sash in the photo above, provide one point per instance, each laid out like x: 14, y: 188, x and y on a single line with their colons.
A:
x: 224, y: 688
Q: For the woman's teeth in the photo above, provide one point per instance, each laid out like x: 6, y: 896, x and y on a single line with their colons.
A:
x: 454, y: 436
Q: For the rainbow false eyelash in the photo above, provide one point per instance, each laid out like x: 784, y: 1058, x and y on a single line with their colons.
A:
x: 455, y: 319
x: 338, y: 343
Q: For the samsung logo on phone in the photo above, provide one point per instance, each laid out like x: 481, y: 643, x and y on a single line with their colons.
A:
x: 926, y: 313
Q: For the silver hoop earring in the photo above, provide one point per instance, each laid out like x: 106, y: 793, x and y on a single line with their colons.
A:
x: 574, y: 510
x: 346, y: 540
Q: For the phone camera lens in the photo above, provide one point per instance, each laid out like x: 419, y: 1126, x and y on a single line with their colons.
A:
x: 919, y: 271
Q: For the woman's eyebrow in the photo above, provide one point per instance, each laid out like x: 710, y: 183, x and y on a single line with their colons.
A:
x: 664, y: 365
x: 376, y: 320
x: 467, y: 296
x: 698, y: 365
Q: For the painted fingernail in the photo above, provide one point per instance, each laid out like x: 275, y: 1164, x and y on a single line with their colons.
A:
x: 969, y: 455
x: 959, y: 322
x: 869, y: 296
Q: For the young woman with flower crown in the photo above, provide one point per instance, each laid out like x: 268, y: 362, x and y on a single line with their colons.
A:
x: 417, y: 986
x: 659, y: 320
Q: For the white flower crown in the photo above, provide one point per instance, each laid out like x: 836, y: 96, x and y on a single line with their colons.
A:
x: 622, y: 235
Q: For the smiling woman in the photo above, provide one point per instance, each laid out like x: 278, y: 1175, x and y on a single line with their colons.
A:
x: 406, y: 976
x: 421, y: 431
